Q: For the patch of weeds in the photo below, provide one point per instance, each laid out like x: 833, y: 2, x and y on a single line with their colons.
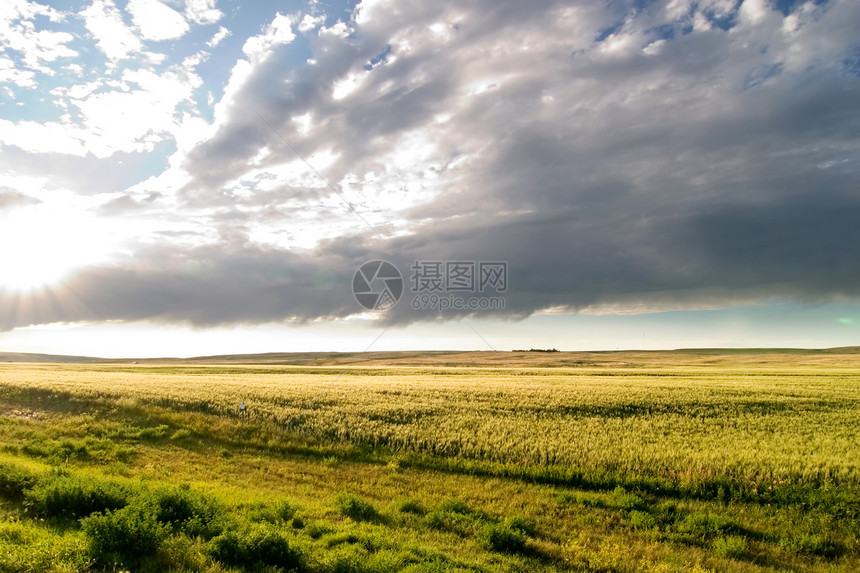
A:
x: 14, y: 481
x: 129, y: 535
x: 731, y: 546
x: 61, y: 495
x: 623, y: 499
x: 181, y: 434
x: 187, y: 511
x: 502, y: 537
x: 355, y: 508
x: 118, y: 469
x: 809, y: 544
x: 521, y: 523
x: 410, y: 506
x: 703, y: 525
x: 317, y: 529
x: 152, y: 434
x: 179, y: 553
x: 642, y: 520
x: 580, y: 498
x: 29, y: 548
x: 278, y: 513
x: 455, y: 516
x: 255, y: 549
x: 371, y: 541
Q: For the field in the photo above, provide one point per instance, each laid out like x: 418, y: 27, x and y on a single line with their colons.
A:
x: 708, y: 461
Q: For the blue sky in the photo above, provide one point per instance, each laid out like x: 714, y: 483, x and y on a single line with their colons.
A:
x: 186, y: 177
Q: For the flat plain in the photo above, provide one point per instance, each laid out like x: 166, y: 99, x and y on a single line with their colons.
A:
x: 525, y: 461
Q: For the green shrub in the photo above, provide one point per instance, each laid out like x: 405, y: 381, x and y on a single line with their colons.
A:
x: 732, y: 546
x: 187, y: 511
x: 372, y: 541
x: 502, y: 537
x: 705, y: 525
x: 808, y: 544
x: 623, y: 499
x: 355, y: 508
x: 26, y: 547
x: 67, y: 496
x: 580, y: 498
x: 14, y: 480
x: 642, y: 520
x: 179, y: 553
x: 279, y: 513
x: 317, y: 529
x: 152, y: 434
x: 409, y: 506
x: 455, y: 516
x: 522, y: 524
x: 453, y: 506
x: 127, y: 535
x: 255, y: 549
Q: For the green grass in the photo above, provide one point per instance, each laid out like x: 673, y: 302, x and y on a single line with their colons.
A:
x: 724, y: 467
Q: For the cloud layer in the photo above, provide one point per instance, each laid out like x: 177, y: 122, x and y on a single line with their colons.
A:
x: 620, y: 157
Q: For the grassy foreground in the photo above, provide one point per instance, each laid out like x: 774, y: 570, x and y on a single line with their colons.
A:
x: 708, y: 462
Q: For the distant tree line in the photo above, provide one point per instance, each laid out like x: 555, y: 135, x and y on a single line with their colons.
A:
x: 537, y: 350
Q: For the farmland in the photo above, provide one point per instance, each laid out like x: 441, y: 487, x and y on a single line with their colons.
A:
x: 483, y: 462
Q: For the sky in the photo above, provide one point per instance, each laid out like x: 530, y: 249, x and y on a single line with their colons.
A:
x: 192, y: 177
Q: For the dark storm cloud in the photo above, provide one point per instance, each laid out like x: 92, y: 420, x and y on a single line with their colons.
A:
x: 618, y: 158
x: 208, y: 286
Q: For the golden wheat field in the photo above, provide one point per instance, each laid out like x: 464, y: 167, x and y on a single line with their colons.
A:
x: 621, y: 463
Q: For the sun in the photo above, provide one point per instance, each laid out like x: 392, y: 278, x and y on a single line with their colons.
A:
x: 41, y: 245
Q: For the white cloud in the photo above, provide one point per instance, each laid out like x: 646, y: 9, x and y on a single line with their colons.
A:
x: 38, y: 137
x: 114, y: 38
x: 345, y: 86
x: 138, y: 113
x: 202, y: 11
x: 10, y: 73
x: 309, y: 22
x: 18, y: 32
x: 157, y: 21
x: 219, y: 37
x: 278, y: 33
x: 753, y: 10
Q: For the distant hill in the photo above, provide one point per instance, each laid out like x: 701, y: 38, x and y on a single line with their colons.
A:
x: 54, y: 358
x: 848, y: 356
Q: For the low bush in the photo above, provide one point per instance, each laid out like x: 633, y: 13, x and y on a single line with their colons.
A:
x: 732, y: 546
x: 61, y: 495
x: 280, y: 512
x: 187, y: 511
x: 642, y: 520
x: 14, y: 481
x: 705, y: 525
x: 409, y: 506
x: 520, y: 523
x: 502, y: 537
x: 355, y: 508
x: 127, y: 535
x: 255, y: 549
x: 623, y: 499
x: 455, y: 516
x: 808, y: 544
